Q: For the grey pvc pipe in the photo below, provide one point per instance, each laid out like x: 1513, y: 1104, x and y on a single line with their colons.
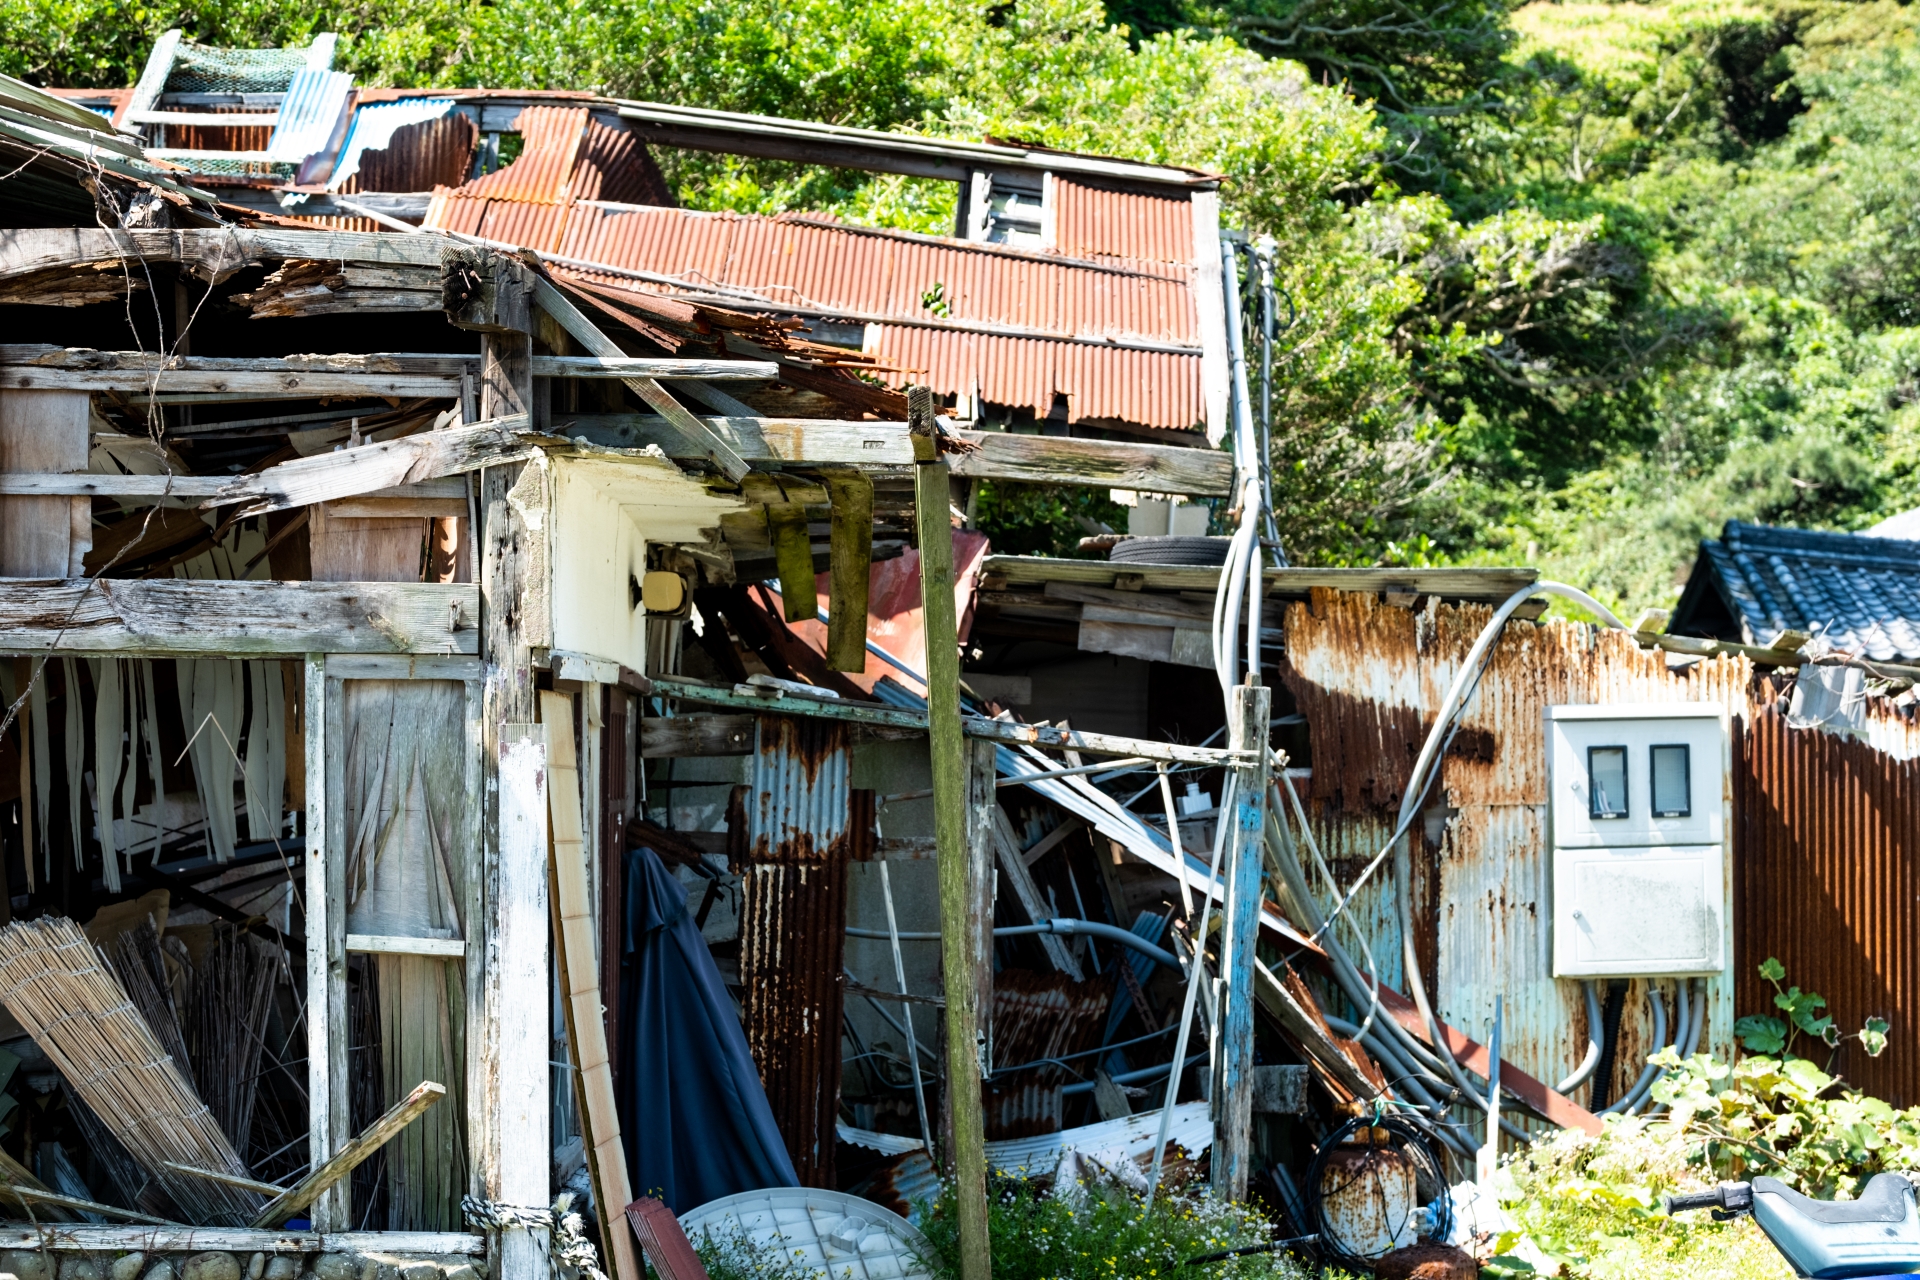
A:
x: 1592, y: 1060
x: 1135, y: 1077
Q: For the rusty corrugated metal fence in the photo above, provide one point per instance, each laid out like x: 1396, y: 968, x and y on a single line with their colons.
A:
x: 793, y: 926
x: 1826, y: 848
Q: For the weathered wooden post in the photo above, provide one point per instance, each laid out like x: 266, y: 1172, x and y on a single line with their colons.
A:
x: 508, y: 982
x: 1247, y: 718
x: 949, y: 756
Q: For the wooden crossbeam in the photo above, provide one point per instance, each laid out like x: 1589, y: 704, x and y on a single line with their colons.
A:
x: 163, y: 617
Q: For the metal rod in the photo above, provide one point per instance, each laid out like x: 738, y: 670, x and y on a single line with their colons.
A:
x: 1173, y: 838
x: 1195, y: 975
x: 1019, y: 780
x: 900, y: 975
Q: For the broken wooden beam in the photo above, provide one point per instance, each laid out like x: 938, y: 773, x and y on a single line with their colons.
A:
x: 370, y: 468
x: 351, y: 1156
x: 641, y: 381
x: 1112, y: 464
x: 775, y: 440
x: 43, y: 368
x: 626, y: 366
x: 166, y: 617
x: 1556, y: 1108
x: 696, y: 735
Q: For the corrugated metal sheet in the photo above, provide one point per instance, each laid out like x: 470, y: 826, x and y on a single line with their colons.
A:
x: 373, y: 129
x: 210, y: 137
x: 1826, y: 844
x: 1072, y: 307
x: 543, y: 171
x: 1037, y: 1017
x: 793, y: 926
x: 419, y: 157
x: 1369, y: 677
x: 1150, y: 388
x: 1094, y: 222
x: 821, y: 266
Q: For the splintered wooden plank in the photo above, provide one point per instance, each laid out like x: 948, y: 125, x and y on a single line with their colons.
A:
x: 213, y: 253
x: 1112, y: 464
x: 580, y: 983
x: 353, y: 1155
x: 625, y: 366
x: 350, y: 473
x: 184, y: 616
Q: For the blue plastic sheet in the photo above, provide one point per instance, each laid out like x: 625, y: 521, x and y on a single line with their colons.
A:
x: 692, y: 1111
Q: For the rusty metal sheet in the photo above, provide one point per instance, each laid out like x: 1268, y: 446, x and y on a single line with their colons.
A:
x: 542, y: 171
x: 1148, y: 388
x: 1369, y: 676
x: 793, y: 926
x: 1036, y: 1017
x: 1092, y: 221
x: 420, y: 157
x: 1826, y: 856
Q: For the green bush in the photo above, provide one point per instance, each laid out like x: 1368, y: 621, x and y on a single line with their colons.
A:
x: 1107, y: 1234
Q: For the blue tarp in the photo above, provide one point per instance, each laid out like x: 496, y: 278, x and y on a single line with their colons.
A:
x: 694, y: 1116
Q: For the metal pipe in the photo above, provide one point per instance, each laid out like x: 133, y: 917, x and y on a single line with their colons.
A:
x: 1195, y: 976
x: 906, y: 1011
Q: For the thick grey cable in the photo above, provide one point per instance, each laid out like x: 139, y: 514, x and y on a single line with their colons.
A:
x: 1687, y: 1017
x: 1592, y: 1060
x: 1410, y: 1080
x: 1464, y: 681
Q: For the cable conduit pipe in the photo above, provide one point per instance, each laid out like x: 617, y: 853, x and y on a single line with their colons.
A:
x: 1683, y: 1028
x: 1466, y: 679
x: 1592, y: 1060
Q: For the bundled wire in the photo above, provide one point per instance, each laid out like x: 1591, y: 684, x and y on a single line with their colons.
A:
x: 1391, y: 1136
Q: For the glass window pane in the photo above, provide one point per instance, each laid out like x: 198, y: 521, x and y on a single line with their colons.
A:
x: 1672, y: 783
x: 1607, y: 782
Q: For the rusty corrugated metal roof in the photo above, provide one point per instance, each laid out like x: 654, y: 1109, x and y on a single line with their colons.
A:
x: 1154, y: 388
x: 1095, y: 222
x: 543, y: 171
x: 420, y: 157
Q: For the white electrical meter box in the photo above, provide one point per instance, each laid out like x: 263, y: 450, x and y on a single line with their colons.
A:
x: 1636, y: 800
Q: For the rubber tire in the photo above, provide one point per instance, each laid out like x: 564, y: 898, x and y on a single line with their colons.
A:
x: 1178, y: 549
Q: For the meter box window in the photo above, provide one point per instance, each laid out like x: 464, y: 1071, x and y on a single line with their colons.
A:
x: 1636, y: 799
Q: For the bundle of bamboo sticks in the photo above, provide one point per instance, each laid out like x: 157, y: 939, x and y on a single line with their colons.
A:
x: 65, y: 995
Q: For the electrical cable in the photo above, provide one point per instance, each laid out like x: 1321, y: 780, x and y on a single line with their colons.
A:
x: 1403, y: 1137
x: 1609, y: 1045
x: 1646, y: 1078
x: 1592, y: 1060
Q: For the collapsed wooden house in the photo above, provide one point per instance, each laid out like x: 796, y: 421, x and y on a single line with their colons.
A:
x: 392, y: 539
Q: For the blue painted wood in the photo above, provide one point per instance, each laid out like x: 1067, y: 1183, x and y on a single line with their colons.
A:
x: 1233, y: 1079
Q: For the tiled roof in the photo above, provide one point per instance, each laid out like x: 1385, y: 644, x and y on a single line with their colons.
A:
x: 1858, y: 592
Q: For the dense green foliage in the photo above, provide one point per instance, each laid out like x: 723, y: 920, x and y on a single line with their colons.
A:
x: 1569, y: 283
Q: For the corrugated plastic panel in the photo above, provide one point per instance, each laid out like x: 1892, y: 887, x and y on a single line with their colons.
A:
x: 540, y: 174
x: 1093, y: 222
x: 1151, y: 388
x: 1826, y: 856
x: 308, y: 114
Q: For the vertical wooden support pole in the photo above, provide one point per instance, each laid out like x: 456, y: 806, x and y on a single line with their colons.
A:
x: 1247, y: 719
x: 328, y: 1094
x: 851, y: 537
x: 509, y: 985
x: 959, y: 960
